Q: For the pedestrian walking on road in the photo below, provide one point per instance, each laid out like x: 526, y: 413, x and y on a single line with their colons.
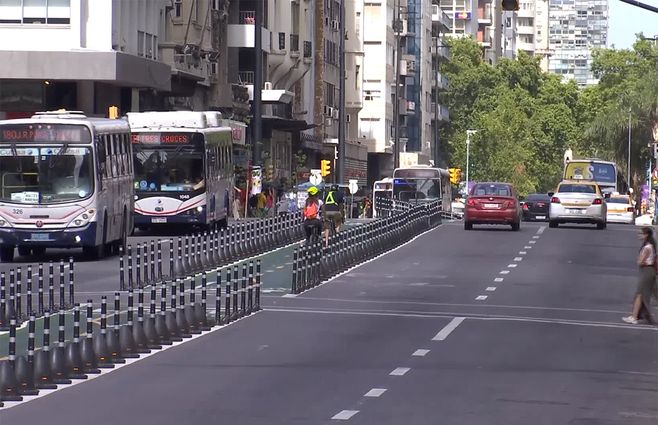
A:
x: 646, y: 282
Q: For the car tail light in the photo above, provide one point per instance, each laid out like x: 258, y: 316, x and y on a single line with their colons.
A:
x: 555, y: 200
x: 525, y: 206
x: 470, y: 202
x: 630, y: 209
x: 597, y: 201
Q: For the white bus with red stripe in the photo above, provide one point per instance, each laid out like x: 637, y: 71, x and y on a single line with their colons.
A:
x: 65, y: 182
x: 183, y: 168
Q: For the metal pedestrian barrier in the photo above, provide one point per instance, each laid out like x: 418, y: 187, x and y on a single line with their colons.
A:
x: 179, y: 258
x: 185, y: 310
x: 314, y: 263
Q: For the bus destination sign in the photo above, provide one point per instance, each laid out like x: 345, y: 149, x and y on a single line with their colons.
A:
x: 162, y: 138
x: 44, y: 133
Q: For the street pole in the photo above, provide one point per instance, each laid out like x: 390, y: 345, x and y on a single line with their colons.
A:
x: 436, y: 102
x: 396, y: 107
x: 257, y: 123
x: 628, y: 169
x: 341, y: 97
x: 468, y: 155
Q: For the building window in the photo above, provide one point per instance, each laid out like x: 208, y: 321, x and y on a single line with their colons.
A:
x: 178, y: 8
x: 215, y: 4
x: 329, y: 91
x: 35, y: 11
x: 141, y: 37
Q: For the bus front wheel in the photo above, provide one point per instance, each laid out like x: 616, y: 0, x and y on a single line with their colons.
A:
x: 6, y: 253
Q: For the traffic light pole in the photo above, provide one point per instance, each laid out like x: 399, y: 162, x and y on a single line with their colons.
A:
x: 340, y: 166
x: 396, y: 107
x: 257, y: 123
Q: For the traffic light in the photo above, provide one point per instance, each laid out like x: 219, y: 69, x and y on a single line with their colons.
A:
x: 455, y: 175
x: 510, y: 4
x: 113, y: 112
x: 325, y: 167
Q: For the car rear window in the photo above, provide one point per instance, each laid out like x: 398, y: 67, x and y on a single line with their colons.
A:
x: 491, y: 190
x: 618, y: 201
x: 576, y: 188
x: 538, y: 197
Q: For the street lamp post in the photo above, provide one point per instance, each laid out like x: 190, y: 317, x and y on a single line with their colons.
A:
x: 468, y: 154
x: 628, y: 167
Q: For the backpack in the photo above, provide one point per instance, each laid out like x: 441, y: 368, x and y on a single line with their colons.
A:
x: 311, y: 211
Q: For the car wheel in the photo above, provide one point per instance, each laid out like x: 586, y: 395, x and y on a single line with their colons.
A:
x: 516, y: 226
x: 601, y: 226
x: 552, y: 224
x: 24, y: 251
x: 6, y: 253
x: 468, y: 225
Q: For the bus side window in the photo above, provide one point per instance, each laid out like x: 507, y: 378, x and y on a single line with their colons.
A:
x: 102, y: 158
x: 115, y: 155
x: 129, y: 155
x: 122, y: 168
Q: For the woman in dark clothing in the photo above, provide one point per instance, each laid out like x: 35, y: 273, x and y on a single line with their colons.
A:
x: 646, y: 261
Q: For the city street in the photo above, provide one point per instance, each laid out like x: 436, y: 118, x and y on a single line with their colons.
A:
x: 482, y: 327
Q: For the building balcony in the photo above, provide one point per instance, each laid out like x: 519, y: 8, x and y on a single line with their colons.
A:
x: 243, y: 35
x: 525, y: 29
x: 442, y: 52
x: 246, y: 77
x: 528, y: 47
x: 294, y: 45
x: 440, y: 19
x: 443, y: 112
x: 440, y: 82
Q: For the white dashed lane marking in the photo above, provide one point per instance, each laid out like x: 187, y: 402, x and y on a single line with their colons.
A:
x: 527, y: 247
x: 447, y: 329
x: 535, y: 237
x: 504, y: 272
x: 344, y: 415
x: 491, y: 288
x: 421, y: 352
x: 523, y: 252
x: 532, y: 242
x: 518, y: 258
x: 541, y: 230
x: 499, y: 279
x: 481, y: 297
x: 399, y: 371
x: 375, y: 392
x: 512, y: 265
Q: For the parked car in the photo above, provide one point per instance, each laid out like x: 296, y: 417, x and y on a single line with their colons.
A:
x: 492, y: 203
x: 578, y: 201
x: 535, y: 207
x: 620, y: 209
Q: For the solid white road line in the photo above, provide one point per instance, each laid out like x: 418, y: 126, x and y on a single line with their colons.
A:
x: 400, y: 371
x: 375, y: 392
x: 481, y: 297
x: 504, y: 272
x: 491, y: 288
x: 421, y: 352
x: 499, y: 279
x: 447, y: 329
x: 344, y: 415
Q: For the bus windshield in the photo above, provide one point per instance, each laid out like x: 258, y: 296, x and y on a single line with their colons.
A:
x: 45, y: 175
x: 411, y: 188
x: 168, y: 169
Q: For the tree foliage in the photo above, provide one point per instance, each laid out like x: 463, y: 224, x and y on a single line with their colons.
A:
x: 526, y: 118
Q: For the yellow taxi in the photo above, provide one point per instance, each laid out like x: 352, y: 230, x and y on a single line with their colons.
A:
x: 620, y: 209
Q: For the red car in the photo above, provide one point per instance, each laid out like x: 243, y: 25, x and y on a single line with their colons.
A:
x: 492, y: 203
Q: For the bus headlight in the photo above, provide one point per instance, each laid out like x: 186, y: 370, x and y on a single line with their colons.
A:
x: 4, y: 222
x: 199, y: 209
x: 82, y: 219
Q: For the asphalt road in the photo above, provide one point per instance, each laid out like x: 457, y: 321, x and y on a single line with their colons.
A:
x: 481, y: 327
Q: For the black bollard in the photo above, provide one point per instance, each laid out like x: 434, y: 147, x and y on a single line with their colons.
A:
x: 218, y: 297
x: 29, y: 306
x: 89, y: 362
x: 138, y: 266
x: 145, y: 262
x: 223, y: 247
x: 25, y: 365
x: 113, y: 340
x: 159, y: 276
x: 4, y: 321
x: 250, y: 289
x: 138, y: 328
x: 259, y: 277
x: 130, y: 267
x: 11, y: 306
x: 179, y: 312
x: 102, y: 351
x: 236, y: 293
x: 181, y: 317
x: 174, y: 332
x: 71, y: 281
x: 42, y: 372
x: 58, y: 365
x: 126, y: 339
x: 153, y: 260
x: 19, y: 293
x: 122, y: 269
x: 62, y: 286
x: 152, y: 339
x: 227, y: 296
x: 295, y: 271
x: 9, y: 386
x: 243, y: 291
x: 73, y: 356
x: 161, y: 319
x: 51, y: 286
x: 191, y: 307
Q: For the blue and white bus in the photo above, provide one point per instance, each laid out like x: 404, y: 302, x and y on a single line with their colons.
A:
x: 65, y: 182
x: 422, y: 184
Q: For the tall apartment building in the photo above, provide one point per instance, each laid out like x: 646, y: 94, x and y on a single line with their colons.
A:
x: 480, y: 19
x: 81, y: 54
x: 575, y: 28
x: 532, y: 35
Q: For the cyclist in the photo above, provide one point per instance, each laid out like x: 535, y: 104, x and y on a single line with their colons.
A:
x: 312, y: 210
x: 333, y: 205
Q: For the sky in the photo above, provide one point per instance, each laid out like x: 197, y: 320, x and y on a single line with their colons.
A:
x: 627, y: 20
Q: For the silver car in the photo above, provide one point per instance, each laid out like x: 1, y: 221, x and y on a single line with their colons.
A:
x: 577, y: 201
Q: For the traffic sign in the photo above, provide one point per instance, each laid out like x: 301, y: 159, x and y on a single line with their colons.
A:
x: 315, y: 178
x: 353, y: 186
